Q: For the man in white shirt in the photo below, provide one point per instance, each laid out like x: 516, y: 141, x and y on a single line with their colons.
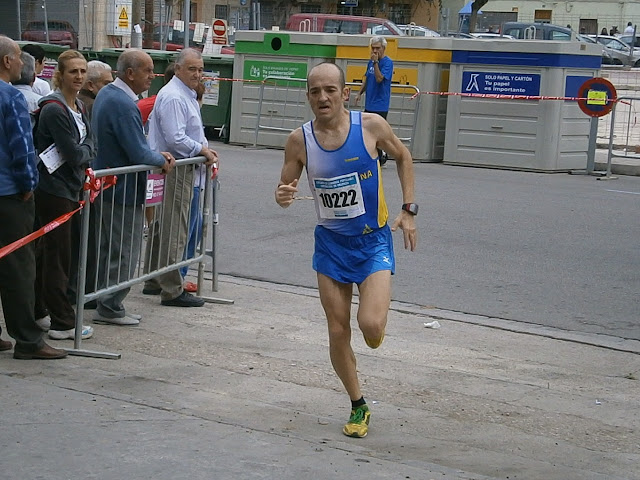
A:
x: 629, y: 29
x: 25, y: 83
x: 175, y: 126
x: 40, y: 86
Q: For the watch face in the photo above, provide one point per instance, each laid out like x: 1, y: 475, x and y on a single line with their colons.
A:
x: 411, y: 208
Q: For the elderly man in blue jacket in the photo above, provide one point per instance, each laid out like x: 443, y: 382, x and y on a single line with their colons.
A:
x: 121, y: 142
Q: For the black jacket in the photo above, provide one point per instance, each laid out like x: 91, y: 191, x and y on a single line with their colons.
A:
x: 57, y: 125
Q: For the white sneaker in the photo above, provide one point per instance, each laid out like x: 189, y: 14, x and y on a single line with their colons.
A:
x: 135, y: 316
x: 126, y: 321
x: 87, y: 332
x: 44, y: 323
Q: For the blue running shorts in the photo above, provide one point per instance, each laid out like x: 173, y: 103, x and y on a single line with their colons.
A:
x: 351, y: 259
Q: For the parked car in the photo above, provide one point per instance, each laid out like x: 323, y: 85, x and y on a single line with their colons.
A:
x: 61, y: 32
x: 458, y: 34
x: 626, y: 38
x: 490, y: 36
x: 548, y: 31
x: 330, y: 23
x: 620, y: 52
x: 537, y: 31
x: 413, y: 30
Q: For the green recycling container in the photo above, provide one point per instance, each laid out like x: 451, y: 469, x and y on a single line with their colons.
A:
x: 52, y: 51
x: 216, y: 106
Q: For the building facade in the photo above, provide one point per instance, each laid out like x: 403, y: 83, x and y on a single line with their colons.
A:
x: 96, y: 21
x: 587, y: 16
x: 101, y: 23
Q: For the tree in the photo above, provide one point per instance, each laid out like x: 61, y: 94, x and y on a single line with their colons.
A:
x: 475, y: 6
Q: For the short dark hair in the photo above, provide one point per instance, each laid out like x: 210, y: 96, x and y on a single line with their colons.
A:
x: 169, y: 72
x: 36, y: 51
x: 342, y: 80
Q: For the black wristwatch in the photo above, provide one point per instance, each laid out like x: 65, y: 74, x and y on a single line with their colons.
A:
x: 412, y: 208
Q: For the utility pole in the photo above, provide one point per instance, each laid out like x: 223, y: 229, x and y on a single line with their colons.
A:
x: 136, y: 16
x: 46, y: 20
x: 149, y: 16
x: 252, y: 15
x: 165, y: 23
x: 19, y: 20
x: 186, y: 17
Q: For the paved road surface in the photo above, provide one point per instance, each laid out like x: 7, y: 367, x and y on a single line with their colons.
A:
x: 550, y: 249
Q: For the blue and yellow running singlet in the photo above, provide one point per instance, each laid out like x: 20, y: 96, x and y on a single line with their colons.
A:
x: 346, y: 183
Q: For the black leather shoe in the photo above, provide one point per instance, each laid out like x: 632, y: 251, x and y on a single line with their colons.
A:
x: 47, y: 352
x: 5, y: 345
x: 184, y: 300
x: 151, y: 291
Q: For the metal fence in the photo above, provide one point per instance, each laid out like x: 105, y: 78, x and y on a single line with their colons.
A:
x: 624, y: 131
x: 117, y: 252
x: 282, y: 107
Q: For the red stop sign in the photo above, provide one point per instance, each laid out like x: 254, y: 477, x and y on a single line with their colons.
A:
x: 219, y: 28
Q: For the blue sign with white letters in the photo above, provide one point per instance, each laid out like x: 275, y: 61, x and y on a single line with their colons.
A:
x: 501, y: 83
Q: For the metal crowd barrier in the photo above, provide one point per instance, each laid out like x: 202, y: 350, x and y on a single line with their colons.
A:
x: 282, y: 106
x: 624, y: 135
x: 110, y: 231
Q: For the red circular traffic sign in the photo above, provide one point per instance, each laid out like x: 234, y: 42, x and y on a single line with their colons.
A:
x: 597, y: 96
x: 219, y: 28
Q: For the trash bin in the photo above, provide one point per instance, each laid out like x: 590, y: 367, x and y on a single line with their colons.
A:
x: 216, y: 104
x: 419, y: 65
x: 52, y: 51
x: 265, y: 113
x: 161, y: 60
x: 543, y: 135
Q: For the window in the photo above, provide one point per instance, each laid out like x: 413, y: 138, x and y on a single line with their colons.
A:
x: 555, y: 35
x: 221, y: 11
x: 615, y: 44
x: 588, y: 26
x: 400, y: 13
x: 542, y: 16
x: 342, y: 10
x: 376, y: 29
x: 310, y: 8
x: 515, y: 32
x: 267, y: 15
x: 342, y: 26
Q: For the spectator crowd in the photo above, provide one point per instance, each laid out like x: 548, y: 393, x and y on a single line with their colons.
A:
x: 48, y: 138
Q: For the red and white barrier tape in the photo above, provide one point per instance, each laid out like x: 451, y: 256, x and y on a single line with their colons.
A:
x: 91, y: 183
x: 501, y: 96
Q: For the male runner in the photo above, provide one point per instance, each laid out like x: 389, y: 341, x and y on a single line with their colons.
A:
x: 353, y: 242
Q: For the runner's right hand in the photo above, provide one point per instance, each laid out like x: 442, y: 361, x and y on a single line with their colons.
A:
x: 285, y: 192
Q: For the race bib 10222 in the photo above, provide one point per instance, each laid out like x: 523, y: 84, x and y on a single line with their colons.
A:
x: 339, y: 197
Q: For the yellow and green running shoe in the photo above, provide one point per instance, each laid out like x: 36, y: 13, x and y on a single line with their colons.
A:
x: 358, y: 424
